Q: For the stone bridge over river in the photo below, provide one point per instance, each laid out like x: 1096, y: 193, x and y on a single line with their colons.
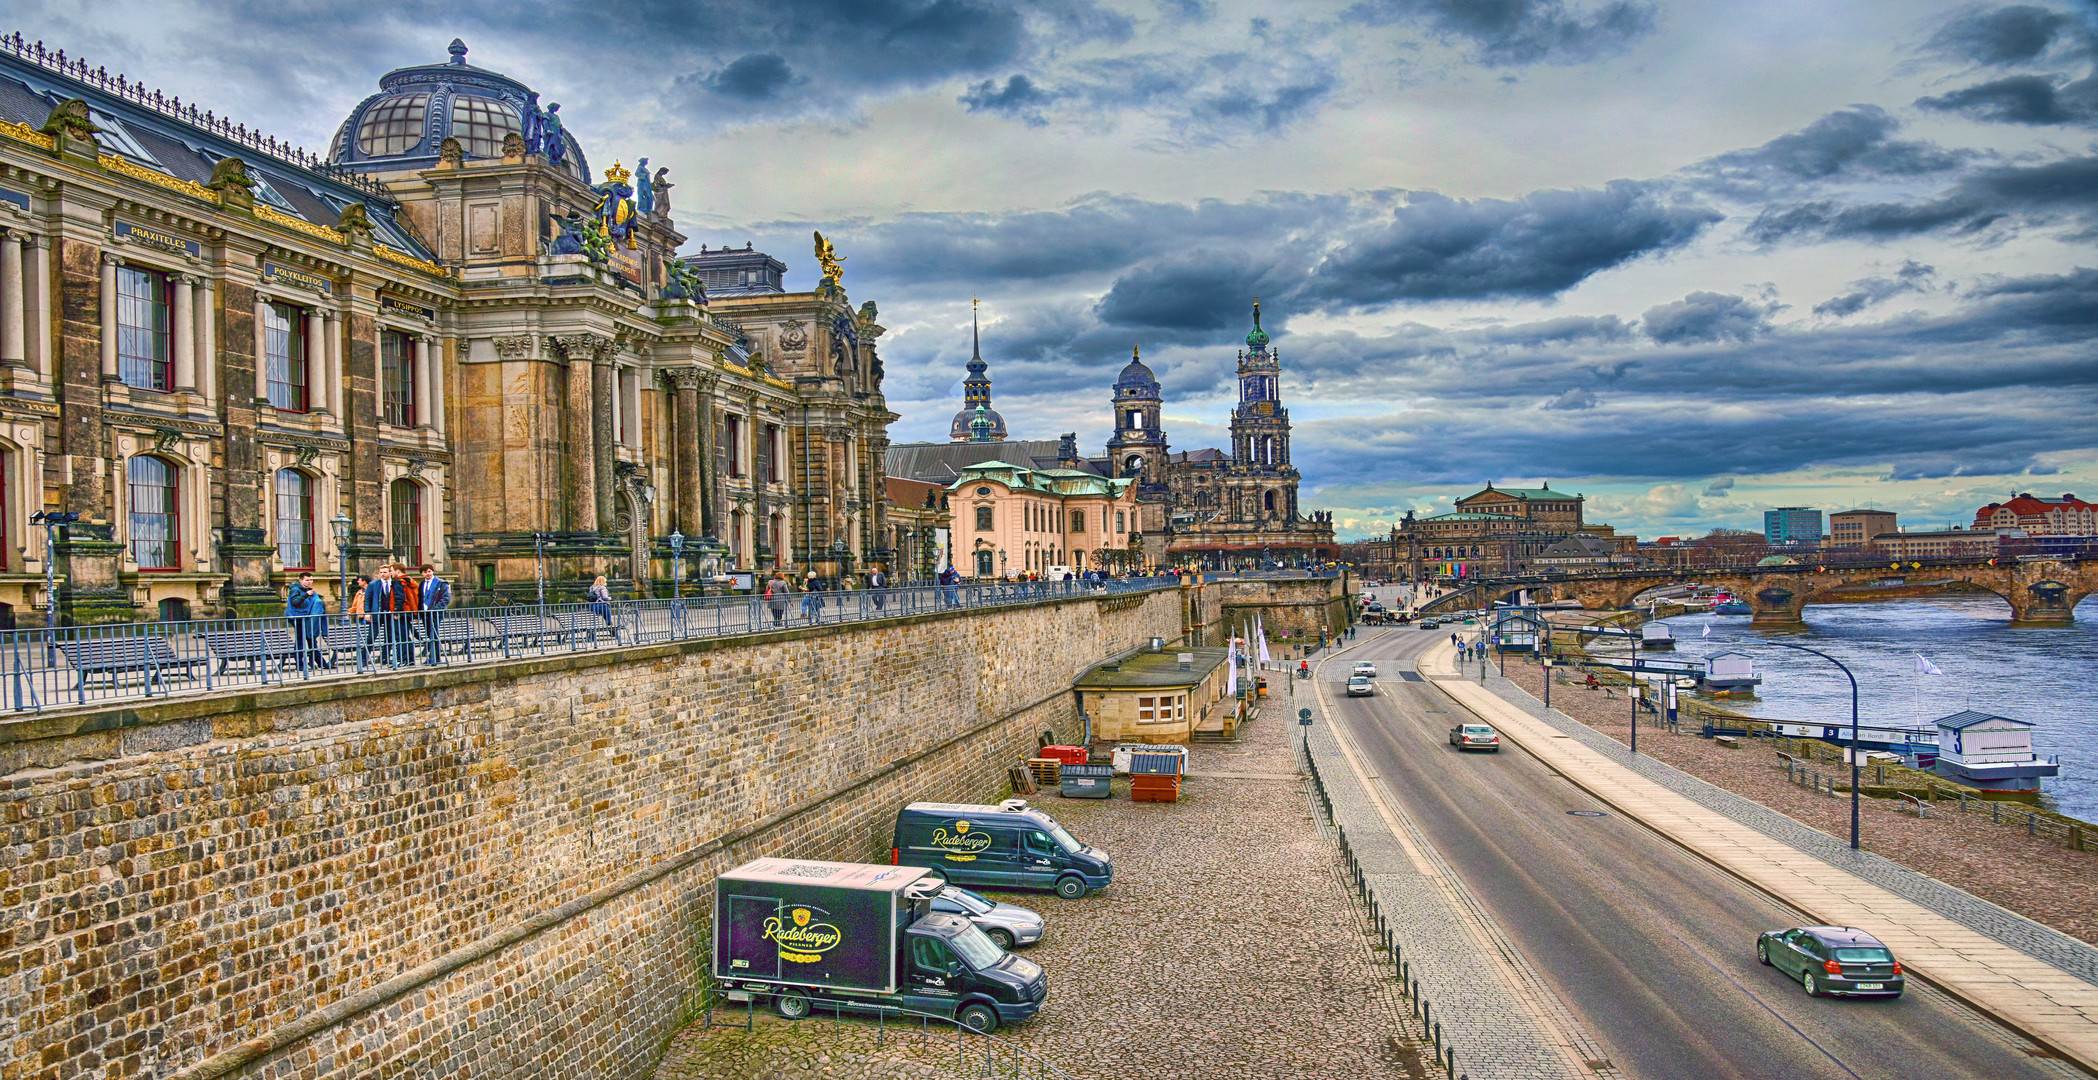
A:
x: 2041, y: 592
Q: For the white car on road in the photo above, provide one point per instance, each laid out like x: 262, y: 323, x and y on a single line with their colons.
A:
x: 1363, y: 670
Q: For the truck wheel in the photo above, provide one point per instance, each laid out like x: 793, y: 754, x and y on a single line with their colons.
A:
x: 1071, y: 888
x: 792, y: 1006
x: 978, y: 1017
x: 1001, y: 938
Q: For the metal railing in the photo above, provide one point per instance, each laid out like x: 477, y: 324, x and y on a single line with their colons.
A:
x: 65, y: 666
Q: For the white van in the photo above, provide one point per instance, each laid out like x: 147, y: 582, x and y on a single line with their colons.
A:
x: 1056, y: 573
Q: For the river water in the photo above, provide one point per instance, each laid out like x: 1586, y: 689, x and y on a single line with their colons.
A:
x: 2049, y: 677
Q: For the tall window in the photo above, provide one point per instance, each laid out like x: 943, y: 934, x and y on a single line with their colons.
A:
x: 406, y: 516
x: 156, y: 523
x: 779, y: 540
x: 735, y: 538
x: 284, y: 338
x: 1077, y: 521
x: 397, y: 377
x: 772, y: 454
x: 732, y: 443
x: 1120, y: 524
x: 145, y: 347
x: 294, y: 519
x: 983, y: 519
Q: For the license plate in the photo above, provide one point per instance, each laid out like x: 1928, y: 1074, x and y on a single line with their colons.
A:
x: 1871, y: 986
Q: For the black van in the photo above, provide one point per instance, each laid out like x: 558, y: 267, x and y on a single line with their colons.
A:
x: 1005, y: 846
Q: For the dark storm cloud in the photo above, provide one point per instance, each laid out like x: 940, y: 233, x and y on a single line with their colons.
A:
x: 2018, y: 194
x: 1912, y: 277
x: 756, y: 77
x: 1438, y: 248
x: 2006, y: 35
x: 1516, y: 32
x: 1203, y: 291
x: 1851, y: 143
x: 1720, y: 488
x: 2023, y: 99
x: 1705, y: 317
x: 1019, y: 99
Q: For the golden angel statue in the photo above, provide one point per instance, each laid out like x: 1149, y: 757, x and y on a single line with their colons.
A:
x: 828, y: 258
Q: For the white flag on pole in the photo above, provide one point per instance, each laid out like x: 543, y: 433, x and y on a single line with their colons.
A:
x: 1925, y: 667
x: 1708, y: 631
x: 1231, y: 659
x: 1260, y: 640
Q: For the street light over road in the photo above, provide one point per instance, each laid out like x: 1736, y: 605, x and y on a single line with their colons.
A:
x: 1853, y: 748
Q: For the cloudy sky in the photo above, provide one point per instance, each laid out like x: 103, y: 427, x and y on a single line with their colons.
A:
x: 1694, y: 259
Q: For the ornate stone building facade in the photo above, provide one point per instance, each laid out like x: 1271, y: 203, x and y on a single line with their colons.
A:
x: 1203, y: 506
x: 1497, y: 530
x: 446, y: 340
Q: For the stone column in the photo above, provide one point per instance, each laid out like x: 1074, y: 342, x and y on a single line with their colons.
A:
x: 601, y: 430
x: 207, y: 343
x: 423, y: 400
x: 338, y: 374
x: 618, y: 403
x: 109, y: 317
x: 317, y: 360
x: 13, y: 334
x: 262, y: 346
x: 578, y: 449
x: 185, y: 333
x: 437, y: 383
x: 38, y: 249
x: 685, y: 439
x: 710, y: 491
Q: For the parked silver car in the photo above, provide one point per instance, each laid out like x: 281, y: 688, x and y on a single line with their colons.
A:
x: 1007, y: 925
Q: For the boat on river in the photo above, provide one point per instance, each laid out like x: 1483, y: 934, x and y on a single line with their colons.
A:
x: 1732, y: 607
x: 1731, y: 672
x: 1654, y: 637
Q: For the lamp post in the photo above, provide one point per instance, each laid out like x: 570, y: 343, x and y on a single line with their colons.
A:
x: 539, y: 567
x: 677, y: 565
x: 1853, y: 748
x: 52, y: 521
x: 341, y: 523
x: 1001, y: 563
x: 1632, y: 691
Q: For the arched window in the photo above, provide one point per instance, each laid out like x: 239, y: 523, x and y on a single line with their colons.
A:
x: 1268, y: 500
x: 156, y: 520
x: 779, y: 540
x: 405, y: 513
x: 294, y: 519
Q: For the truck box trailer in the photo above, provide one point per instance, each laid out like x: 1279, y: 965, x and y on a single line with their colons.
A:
x: 863, y: 938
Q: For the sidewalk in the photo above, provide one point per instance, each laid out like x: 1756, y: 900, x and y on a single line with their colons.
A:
x: 2035, y: 980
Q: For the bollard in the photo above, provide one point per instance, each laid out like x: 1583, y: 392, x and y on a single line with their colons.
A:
x: 1451, y: 1068
x: 1424, y: 1011
x: 1438, y: 1042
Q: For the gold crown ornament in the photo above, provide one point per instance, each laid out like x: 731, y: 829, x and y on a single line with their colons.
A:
x: 618, y: 173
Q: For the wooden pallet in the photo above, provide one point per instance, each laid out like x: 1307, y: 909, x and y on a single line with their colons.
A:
x: 1048, y: 772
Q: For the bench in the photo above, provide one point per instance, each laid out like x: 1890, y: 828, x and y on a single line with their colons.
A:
x: 574, y: 624
x: 114, y: 656
x: 254, y: 648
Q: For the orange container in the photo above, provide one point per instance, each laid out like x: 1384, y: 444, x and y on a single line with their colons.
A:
x: 1147, y: 788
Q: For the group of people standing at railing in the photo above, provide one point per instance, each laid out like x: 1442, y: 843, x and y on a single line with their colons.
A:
x: 394, y: 611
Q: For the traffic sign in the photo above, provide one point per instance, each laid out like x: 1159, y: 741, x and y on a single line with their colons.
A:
x: 1304, y: 717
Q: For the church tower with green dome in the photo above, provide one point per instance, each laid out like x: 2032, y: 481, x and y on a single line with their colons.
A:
x: 1260, y: 425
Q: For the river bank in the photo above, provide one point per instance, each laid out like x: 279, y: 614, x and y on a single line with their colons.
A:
x: 2037, y: 876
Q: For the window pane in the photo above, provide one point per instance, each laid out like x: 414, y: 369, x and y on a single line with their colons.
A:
x: 284, y: 338
x: 155, y: 525
x: 407, y: 521
x: 144, y: 344
x: 480, y: 123
x: 393, y: 126
x: 294, y: 519
x: 396, y: 374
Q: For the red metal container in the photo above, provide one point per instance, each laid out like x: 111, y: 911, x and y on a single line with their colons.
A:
x: 1069, y: 755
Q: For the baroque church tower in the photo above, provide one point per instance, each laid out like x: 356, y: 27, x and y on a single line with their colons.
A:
x: 977, y: 422
x: 1260, y: 433
x: 1138, y: 448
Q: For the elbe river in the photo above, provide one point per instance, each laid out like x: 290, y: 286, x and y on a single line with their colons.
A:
x: 2047, y: 676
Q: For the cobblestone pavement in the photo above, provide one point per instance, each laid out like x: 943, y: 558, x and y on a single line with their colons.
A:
x: 1502, y: 1018
x: 1226, y: 947
x: 2011, y: 929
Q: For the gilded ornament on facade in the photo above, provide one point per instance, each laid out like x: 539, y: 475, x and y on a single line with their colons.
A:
x: 828, y: 258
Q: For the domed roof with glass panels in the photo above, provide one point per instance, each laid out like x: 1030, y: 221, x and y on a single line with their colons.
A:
x: 403, y: 126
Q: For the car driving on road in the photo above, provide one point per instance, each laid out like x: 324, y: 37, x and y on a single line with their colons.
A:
x: 1361, y: 687
x: 1475, y: 737
x: 1363, y: 670
x: 1429, y: 624
x: 1829, y: 960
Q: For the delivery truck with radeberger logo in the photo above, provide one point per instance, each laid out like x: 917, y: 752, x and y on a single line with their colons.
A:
x: 862, y: 938
x: 1001, y: 847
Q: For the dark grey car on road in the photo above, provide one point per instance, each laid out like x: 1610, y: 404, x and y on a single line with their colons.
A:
x: 1829, y: 960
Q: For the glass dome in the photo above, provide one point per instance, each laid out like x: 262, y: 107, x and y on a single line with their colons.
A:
x: 404, y: 125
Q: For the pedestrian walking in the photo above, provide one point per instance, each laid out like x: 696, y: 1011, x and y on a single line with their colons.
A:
x: 877, y: 585
x: 811, y: 597
x: 776, y: 597
x: 436, y: 599
x: 309, y: 621
x: 385, y: 602
x: 359, y: 618
x: 600, y: 597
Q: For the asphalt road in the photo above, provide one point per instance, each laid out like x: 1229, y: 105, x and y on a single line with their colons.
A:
x: 1651, y: 948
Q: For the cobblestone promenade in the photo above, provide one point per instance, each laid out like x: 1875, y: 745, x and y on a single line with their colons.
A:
x: 1227, y: 947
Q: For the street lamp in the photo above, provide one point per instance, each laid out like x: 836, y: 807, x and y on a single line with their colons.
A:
x: 52, y: 521
x: 539, y: 567
x: 341, y: 524
x: 677, y: 564
x: 1001, y: 562
x: 1853, y: 748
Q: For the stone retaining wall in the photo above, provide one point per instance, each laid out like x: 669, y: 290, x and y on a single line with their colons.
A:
x: 485, y: 871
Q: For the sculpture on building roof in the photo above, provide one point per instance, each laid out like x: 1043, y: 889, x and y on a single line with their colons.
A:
x: 683, y: 283
x: 534, y: 124
x: 231, y: 180
x: 355, y: 221
x: 451, y: 152
x: 828, y: 258
x: 662, y: 185
x: 644, y: 192
x: 570, y: 240
x: 550, y: 142
x: 615, y: 204
x: 70, y: 119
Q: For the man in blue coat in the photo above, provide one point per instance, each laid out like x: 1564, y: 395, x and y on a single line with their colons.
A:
x: 308, y: 615
x: 437, y: 596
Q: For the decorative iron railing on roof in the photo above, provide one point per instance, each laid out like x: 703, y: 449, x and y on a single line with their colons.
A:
x: 203, y: 119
